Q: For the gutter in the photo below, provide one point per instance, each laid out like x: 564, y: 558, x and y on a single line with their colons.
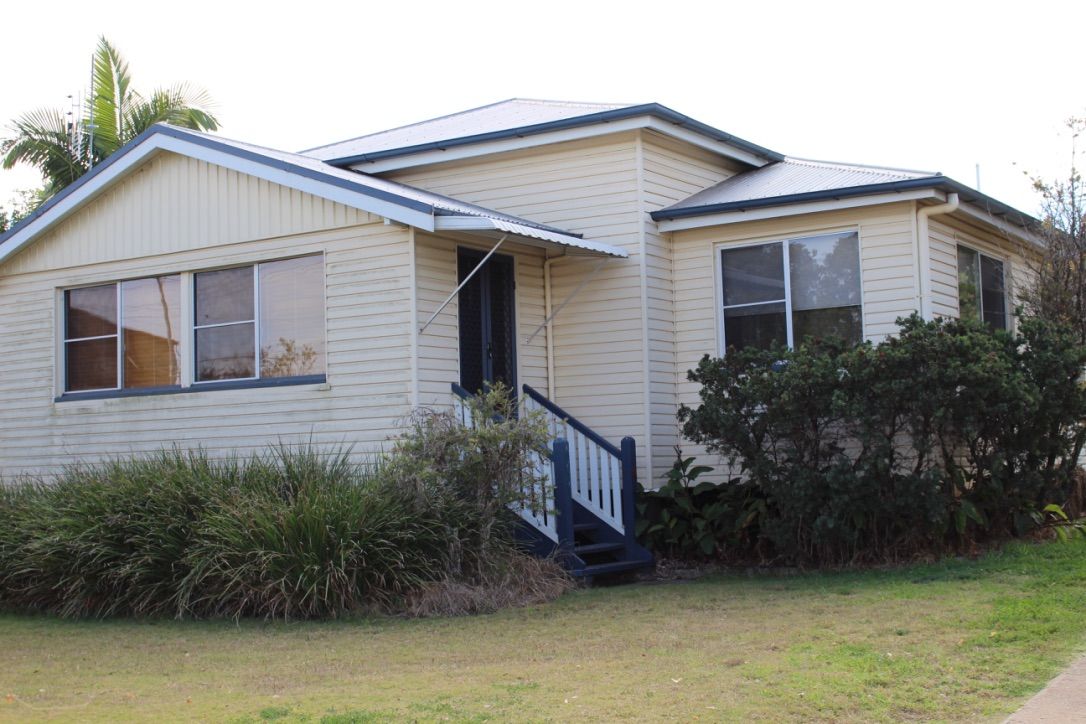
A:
x: 992, y: 206
x: 650, y: 109
x: 923, y: 244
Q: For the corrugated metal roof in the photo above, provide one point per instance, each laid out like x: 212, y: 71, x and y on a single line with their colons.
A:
x: 362, y: 183
x: 790, y: 177
x: 500, y: 116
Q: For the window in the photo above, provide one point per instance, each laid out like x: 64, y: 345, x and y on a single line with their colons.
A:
x: 786, y: 291
x: 142, y: 354
x: 262, y: 321
x: 982, y: 292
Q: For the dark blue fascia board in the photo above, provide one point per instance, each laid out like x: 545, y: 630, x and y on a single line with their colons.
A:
x: 200, y: 387
x: 942, y: 183
x: 165, y: 130
x: 618, y: 114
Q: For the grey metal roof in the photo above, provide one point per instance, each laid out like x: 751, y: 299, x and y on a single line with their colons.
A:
x: 362, y: 183
x: 789, y: 177
x: 500, y: 116
x: 514, y: 118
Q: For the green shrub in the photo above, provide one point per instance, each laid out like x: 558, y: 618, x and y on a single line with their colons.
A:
x: 685, y: 518
x: 943, y: 435
x: 291, y: 533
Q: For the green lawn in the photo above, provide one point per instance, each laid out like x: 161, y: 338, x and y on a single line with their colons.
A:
x: 962, y: 640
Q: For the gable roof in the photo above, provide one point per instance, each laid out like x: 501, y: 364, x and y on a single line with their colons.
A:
x: 797, y: 181
x: 515, y: 118
x: 396, y: 201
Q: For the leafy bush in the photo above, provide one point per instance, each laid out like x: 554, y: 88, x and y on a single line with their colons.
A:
x: 292, y: 533
x: 944, y: 435
x: 685, y: 518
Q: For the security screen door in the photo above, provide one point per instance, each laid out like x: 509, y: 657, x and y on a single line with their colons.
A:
x: 487, y: 321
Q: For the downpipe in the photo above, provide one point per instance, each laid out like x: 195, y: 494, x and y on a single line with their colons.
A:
x: 924, y: 249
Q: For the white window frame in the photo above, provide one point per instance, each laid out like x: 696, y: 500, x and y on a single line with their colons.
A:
x: 186, y: 336
x: 718, y: 269
x: 255, y: 321
x: 117, y: 336
x: 980, y: 284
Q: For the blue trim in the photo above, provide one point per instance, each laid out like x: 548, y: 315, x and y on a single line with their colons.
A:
x: 943, y: 183
x: 618, y: 114
x: 572, y: 421
x: 199, y: 387
x: 201, y: 140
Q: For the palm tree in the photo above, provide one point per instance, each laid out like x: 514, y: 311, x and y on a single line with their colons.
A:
x: 63, y: 149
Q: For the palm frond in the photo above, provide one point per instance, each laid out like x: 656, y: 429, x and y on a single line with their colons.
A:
x: 44, y: 139
x: 110, y: 95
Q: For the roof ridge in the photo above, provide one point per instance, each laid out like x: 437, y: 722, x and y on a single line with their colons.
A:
x: 859, y: 166
x: 408, y: 125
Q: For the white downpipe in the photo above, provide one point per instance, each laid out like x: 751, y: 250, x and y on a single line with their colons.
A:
x: 550, y: 325
x: 924, y: 247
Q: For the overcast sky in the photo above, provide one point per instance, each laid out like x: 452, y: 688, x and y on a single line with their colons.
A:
x: 938, y: 86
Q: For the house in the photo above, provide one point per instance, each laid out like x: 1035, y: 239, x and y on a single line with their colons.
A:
x: 202, y: 291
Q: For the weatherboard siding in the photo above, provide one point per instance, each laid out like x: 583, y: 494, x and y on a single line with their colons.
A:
x: 589, y: 187
x: 889, y: 278
x: 670, y: 171
x: 439, y: 346
x: 157, y: 226
x: 945, y: 234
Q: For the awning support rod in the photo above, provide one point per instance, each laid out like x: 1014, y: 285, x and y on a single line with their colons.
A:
x: 586, y: 280
x: 461, y: 285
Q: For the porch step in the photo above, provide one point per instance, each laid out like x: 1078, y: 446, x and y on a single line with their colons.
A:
x: 603, y: 569
x: 593, y: 548
x: 585, y: 527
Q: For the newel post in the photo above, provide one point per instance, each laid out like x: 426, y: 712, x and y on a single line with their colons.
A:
x: 629, y: 488
x: 563, y: 496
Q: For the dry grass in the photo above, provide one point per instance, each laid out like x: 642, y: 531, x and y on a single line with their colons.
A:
x: 955, y: 641
x: 522, y: 581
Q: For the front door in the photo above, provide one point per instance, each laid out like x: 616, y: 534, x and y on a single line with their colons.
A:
x: 487, y: 321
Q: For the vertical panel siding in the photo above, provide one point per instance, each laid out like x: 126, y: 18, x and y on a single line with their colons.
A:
x: 174, y: 203
x: 367, y: 313
x: 588, y: 187
x: 888, y: 270
x: 946, y: 233
x: 439, y: 346
x: 670, y: 172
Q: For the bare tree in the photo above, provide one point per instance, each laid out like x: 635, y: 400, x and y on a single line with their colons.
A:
x: 1058, y: 292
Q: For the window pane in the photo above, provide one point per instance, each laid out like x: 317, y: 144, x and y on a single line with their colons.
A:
x: 292, y: 317
x: 91, y: 312
x: 843, y: 322
x: 91, y: 364
x: 753, y: 274
x: 224, y: 296
x: 993, y: 293
x: 150, y: 320
x: 968, y: 284
x: 756, y: 326
x: 825, y: 271
x: 225, y: 353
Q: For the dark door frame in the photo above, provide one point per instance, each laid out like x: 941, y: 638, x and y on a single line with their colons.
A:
x: 468, y: 258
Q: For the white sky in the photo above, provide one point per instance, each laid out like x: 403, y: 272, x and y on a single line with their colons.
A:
x: 939, y: 86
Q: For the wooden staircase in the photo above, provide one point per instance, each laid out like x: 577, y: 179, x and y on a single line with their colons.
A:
x: 588, y: 517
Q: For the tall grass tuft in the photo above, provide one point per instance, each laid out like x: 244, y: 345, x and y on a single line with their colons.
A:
x: 291, y: 533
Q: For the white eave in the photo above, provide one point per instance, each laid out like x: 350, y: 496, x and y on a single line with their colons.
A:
x: 455, y: 153
x: 527, y: 233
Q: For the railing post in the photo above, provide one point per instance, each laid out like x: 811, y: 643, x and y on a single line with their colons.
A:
x: 629, y: 489
x: 563, y: 496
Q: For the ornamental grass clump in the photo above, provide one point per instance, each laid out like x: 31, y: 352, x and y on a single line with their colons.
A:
x: 290, y: 533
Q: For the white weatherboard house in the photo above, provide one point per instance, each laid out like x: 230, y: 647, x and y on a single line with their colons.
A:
x: 206, y: 292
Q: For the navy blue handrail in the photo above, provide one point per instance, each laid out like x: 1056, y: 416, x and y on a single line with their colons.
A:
x: 572, y: 421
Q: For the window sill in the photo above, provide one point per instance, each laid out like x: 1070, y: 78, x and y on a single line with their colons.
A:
x: 199, y: 387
